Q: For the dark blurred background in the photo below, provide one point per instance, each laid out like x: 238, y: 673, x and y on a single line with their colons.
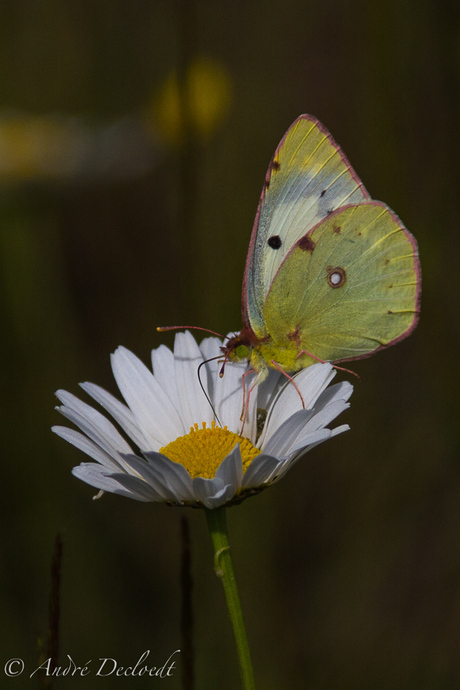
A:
x: 134, y: 139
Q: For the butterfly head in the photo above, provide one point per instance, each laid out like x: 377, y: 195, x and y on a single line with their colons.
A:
x: 240, y: 346
x: 247, y: 346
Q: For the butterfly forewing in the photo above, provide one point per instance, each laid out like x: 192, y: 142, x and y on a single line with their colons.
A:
x: 308, y: 178
x: 348, y: 287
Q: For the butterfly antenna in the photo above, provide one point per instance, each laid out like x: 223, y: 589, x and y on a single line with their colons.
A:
x: 162, y: 329
x: 204, y: 390
x: 222, y: 369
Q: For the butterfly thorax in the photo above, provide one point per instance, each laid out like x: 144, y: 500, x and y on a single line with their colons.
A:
x: 265, y: 352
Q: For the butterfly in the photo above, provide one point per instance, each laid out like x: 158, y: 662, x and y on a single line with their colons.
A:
x: 331, y: 274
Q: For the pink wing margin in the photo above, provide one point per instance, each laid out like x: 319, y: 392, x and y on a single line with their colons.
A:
x: 418, y: 297
x: 252, y: 241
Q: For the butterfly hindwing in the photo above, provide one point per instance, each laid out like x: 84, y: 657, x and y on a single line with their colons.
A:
x: 308, y: 178
x: 348, y: 287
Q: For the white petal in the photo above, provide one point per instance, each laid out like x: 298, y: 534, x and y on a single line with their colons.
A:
x: 140, y: 489
x: 82, y: 442
x: 326, y: 415
x: 260, y: 469
x: 211, y: 349
x: 175, y: 476
x: 211, y: 492
x: 279, y: 445
x: 251, y: 390
x: 307, y: 434
x: 340, y: 429
x: 311, y: 382
x: 164, y: 369
x: 220, y: 499
x: 226, y: 391
x: 153, y: 410
x: 269, y: 389
x: 315, y: 439
x: 203, y: 488
x: 339, y: 391
x: 194, y: 406
x: 152, y: 476
x: 307, y: 439
x: 121, y: 413
x: 229, y: 397
x: 230, y: 470
x: 96, y: 475
x: 93, y: 424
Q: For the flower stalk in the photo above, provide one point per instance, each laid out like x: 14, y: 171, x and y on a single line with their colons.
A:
x: 223, y: 566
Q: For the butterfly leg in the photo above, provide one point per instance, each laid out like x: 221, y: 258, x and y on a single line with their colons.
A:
x: 277, y: 366
x: 322, y: 361
x: 261, y: 375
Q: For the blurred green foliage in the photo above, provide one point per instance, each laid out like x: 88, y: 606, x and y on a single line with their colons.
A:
x: 350, y: 567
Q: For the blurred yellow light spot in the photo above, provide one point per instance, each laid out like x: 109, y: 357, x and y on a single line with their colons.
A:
x: 200, y: 108
x: 32, y: 146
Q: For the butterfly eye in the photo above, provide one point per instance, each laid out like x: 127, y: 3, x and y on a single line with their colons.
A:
x: 336, y: 277
x: 242, y: 352
x: 274, y: 242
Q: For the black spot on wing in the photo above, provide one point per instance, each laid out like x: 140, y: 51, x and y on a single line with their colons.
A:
x: 274, y: 242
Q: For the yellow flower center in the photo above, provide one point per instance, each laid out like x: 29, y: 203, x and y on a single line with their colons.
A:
x: 202, y: 450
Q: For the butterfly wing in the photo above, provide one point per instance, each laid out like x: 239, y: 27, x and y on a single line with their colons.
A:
x: 308, y: 178
x: 347, y: 288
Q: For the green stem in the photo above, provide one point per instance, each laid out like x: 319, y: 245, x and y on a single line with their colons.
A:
x: 223, y: 566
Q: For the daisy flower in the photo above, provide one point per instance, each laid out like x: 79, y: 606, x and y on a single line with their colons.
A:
x: 179, y: 438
